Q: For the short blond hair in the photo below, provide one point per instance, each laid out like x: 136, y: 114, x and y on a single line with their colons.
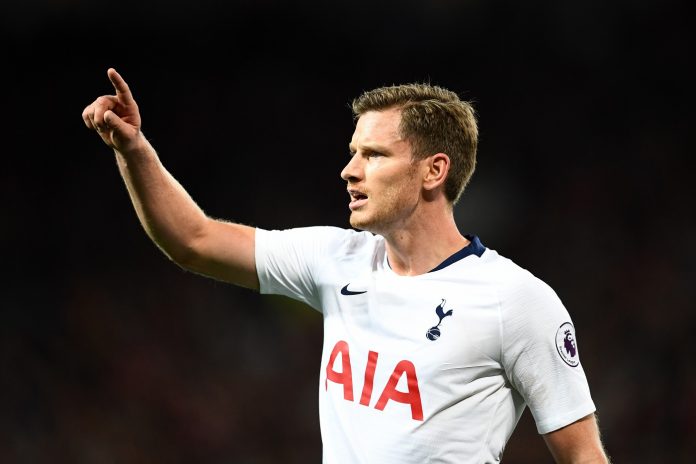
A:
x: 434, y: 120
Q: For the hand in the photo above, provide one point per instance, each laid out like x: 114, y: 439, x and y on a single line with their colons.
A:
x: 116, y: 118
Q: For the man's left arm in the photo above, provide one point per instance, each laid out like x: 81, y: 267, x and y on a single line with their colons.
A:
x: 541, y: 359
x: 577, y: 443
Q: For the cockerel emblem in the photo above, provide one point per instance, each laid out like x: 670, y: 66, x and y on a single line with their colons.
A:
x: 434, y: 332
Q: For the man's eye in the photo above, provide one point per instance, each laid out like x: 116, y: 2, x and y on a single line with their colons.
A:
x: 374, y: 154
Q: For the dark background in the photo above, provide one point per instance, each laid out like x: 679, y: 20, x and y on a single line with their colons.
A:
x: 109, y: 353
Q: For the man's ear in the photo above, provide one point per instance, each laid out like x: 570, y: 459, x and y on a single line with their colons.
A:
x: 435, y: 170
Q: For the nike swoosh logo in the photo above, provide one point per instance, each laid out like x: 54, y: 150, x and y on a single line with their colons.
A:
x: 345, y: 291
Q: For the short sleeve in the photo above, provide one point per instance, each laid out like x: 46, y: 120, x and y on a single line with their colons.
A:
x: 540, y: 355
x: 288, y: 261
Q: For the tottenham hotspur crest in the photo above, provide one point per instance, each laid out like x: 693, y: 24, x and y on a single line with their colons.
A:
x: 434, y: 332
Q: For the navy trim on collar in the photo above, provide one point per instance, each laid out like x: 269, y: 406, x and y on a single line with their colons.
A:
x: 473, y: 248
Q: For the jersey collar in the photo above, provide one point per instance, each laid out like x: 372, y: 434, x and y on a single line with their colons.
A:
x: 475, y: 247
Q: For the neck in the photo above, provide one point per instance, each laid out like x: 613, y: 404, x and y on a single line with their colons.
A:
x: 419, y: 246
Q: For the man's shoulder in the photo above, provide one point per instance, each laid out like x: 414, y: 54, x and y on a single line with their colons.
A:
x: 349, y: 242
x: 520, y: 290
x: 502, y: 269
x: 333, y: 233
x: 309, y: 231
x: 510, y: 277
x: 330, y: 238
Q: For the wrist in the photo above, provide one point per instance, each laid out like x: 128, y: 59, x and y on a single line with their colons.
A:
x: 138, y: 150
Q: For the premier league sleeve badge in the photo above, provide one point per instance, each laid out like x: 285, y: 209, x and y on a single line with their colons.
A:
x: 566, y: 345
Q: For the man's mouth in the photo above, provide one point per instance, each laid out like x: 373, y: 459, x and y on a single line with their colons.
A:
x: 357, y: 199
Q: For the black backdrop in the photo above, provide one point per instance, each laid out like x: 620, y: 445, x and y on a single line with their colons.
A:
x: 110, y: 353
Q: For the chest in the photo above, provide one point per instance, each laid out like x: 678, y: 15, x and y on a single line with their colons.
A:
x: 434, y: 323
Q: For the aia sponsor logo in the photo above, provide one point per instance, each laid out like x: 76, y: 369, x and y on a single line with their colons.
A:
x: 411, y: 397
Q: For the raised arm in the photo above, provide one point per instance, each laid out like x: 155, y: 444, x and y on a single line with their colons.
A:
x: 577, y: 443
x: 218, y: 249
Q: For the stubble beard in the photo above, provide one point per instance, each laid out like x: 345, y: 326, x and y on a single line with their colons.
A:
x: 396, y: 207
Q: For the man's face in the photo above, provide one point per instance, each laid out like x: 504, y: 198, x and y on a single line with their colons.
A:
x: 382, y: 178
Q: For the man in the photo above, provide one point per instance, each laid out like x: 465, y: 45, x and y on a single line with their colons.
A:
x: 433, y: 344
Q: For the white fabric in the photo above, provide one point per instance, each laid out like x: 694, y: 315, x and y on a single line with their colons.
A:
x: 496, y: 352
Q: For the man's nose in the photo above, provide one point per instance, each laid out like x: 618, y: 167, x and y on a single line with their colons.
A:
x: 353, y: 170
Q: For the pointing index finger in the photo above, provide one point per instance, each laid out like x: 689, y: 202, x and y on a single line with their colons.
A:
x: 122, y: 91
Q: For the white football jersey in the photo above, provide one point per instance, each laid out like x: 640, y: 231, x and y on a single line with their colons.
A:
x: 435, y: 368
